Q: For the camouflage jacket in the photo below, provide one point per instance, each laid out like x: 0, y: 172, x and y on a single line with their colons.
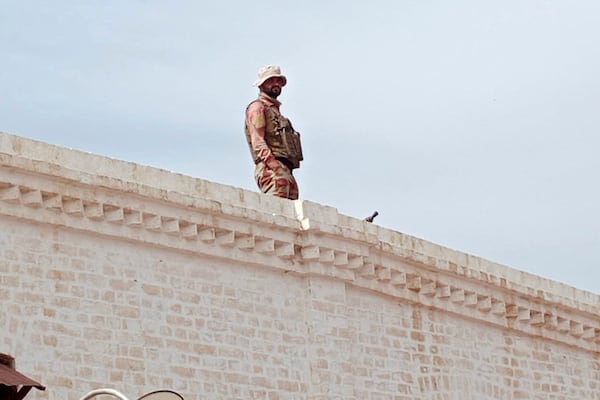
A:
x: 270, y: 135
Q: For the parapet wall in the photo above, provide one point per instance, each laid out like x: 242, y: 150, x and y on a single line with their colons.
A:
x: 122, y: 275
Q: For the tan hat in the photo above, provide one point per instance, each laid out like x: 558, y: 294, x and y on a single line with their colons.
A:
x: 270, y: 71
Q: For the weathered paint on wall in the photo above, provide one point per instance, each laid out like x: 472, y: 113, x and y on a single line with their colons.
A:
x: 119, y: 275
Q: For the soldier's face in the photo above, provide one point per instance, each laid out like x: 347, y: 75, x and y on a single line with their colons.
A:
x: 272, y: 86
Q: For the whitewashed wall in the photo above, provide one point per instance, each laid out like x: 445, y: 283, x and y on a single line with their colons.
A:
x: 119, y: 275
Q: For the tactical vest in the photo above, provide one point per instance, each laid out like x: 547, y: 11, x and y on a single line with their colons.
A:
x: 280, y: 136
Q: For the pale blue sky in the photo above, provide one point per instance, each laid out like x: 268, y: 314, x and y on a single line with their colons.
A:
x: 472, y: 124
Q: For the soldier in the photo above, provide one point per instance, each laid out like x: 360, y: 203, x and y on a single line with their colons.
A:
x: 274, y: 144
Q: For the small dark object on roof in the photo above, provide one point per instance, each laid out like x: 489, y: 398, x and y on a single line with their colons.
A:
x: 371, y: 217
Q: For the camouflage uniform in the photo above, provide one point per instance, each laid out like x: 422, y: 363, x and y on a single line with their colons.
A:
x: 274, y: 156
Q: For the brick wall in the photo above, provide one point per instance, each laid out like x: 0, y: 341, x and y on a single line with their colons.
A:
x: 110, y: 280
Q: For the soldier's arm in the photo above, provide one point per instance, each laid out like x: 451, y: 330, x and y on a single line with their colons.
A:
x: 255, y: 117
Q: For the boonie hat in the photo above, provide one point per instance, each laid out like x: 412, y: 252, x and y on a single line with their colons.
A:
x: 270, y: 71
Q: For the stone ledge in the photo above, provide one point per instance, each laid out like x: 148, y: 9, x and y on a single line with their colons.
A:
x: 300, y: 236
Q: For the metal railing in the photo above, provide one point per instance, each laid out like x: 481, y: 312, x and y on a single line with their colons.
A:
x: 157, y: 395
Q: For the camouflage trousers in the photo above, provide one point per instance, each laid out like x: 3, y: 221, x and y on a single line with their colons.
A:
x: 279, y: 182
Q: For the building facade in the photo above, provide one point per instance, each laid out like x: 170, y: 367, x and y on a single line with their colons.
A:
x: 114, y: 274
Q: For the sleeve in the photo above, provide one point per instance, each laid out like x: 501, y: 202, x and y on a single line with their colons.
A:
x: 255, y: 119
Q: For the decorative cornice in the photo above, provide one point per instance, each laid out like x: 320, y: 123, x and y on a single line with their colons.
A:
x: 51, y: 185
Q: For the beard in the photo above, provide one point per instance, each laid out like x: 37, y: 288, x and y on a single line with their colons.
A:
x: 273, y: 92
